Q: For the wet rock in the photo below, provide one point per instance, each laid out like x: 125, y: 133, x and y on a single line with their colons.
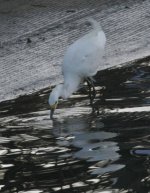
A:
x: 28, y: 41
x: 71, y: 11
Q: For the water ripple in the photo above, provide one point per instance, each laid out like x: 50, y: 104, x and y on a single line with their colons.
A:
x: 80, y: 151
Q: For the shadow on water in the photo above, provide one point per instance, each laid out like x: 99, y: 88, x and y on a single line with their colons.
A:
x: 80, y: 151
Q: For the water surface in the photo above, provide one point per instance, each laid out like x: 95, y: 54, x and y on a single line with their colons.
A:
x: 107, y: 151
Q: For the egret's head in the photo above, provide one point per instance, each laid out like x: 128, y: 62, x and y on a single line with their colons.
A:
x: 53, y: 99
x: 52, y: 109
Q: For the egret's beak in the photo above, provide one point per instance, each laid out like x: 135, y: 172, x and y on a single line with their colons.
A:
x: 52, y: 109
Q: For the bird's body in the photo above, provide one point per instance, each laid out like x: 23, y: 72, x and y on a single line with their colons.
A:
x: 83, y: 56
x: 82, y: 59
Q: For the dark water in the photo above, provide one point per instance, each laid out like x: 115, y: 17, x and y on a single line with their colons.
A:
x: 80, y: 151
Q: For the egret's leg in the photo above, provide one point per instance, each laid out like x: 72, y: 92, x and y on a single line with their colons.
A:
x: 93, y: 87
x: 92, y: 92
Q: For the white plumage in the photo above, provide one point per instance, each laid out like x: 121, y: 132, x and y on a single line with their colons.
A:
x: 81, y: 60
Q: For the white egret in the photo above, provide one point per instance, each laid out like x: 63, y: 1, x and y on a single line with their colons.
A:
x: 81, y: 61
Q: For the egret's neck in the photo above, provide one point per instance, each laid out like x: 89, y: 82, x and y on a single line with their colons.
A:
x: 71, y: 84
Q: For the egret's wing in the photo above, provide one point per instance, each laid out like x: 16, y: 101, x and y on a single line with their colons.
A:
x: 84, y: 56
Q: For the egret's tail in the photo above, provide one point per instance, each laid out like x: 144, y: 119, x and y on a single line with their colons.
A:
x: 94, y: 23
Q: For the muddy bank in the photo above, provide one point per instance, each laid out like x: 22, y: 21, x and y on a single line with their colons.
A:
x: 35, y: 34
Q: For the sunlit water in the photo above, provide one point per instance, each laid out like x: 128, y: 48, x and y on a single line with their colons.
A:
x: 80, y: 151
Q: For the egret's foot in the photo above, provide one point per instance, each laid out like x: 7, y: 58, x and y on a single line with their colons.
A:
x: 95, y: 108
x: 102, y: 94
x: 92, y: 91
x: 98, y: 105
